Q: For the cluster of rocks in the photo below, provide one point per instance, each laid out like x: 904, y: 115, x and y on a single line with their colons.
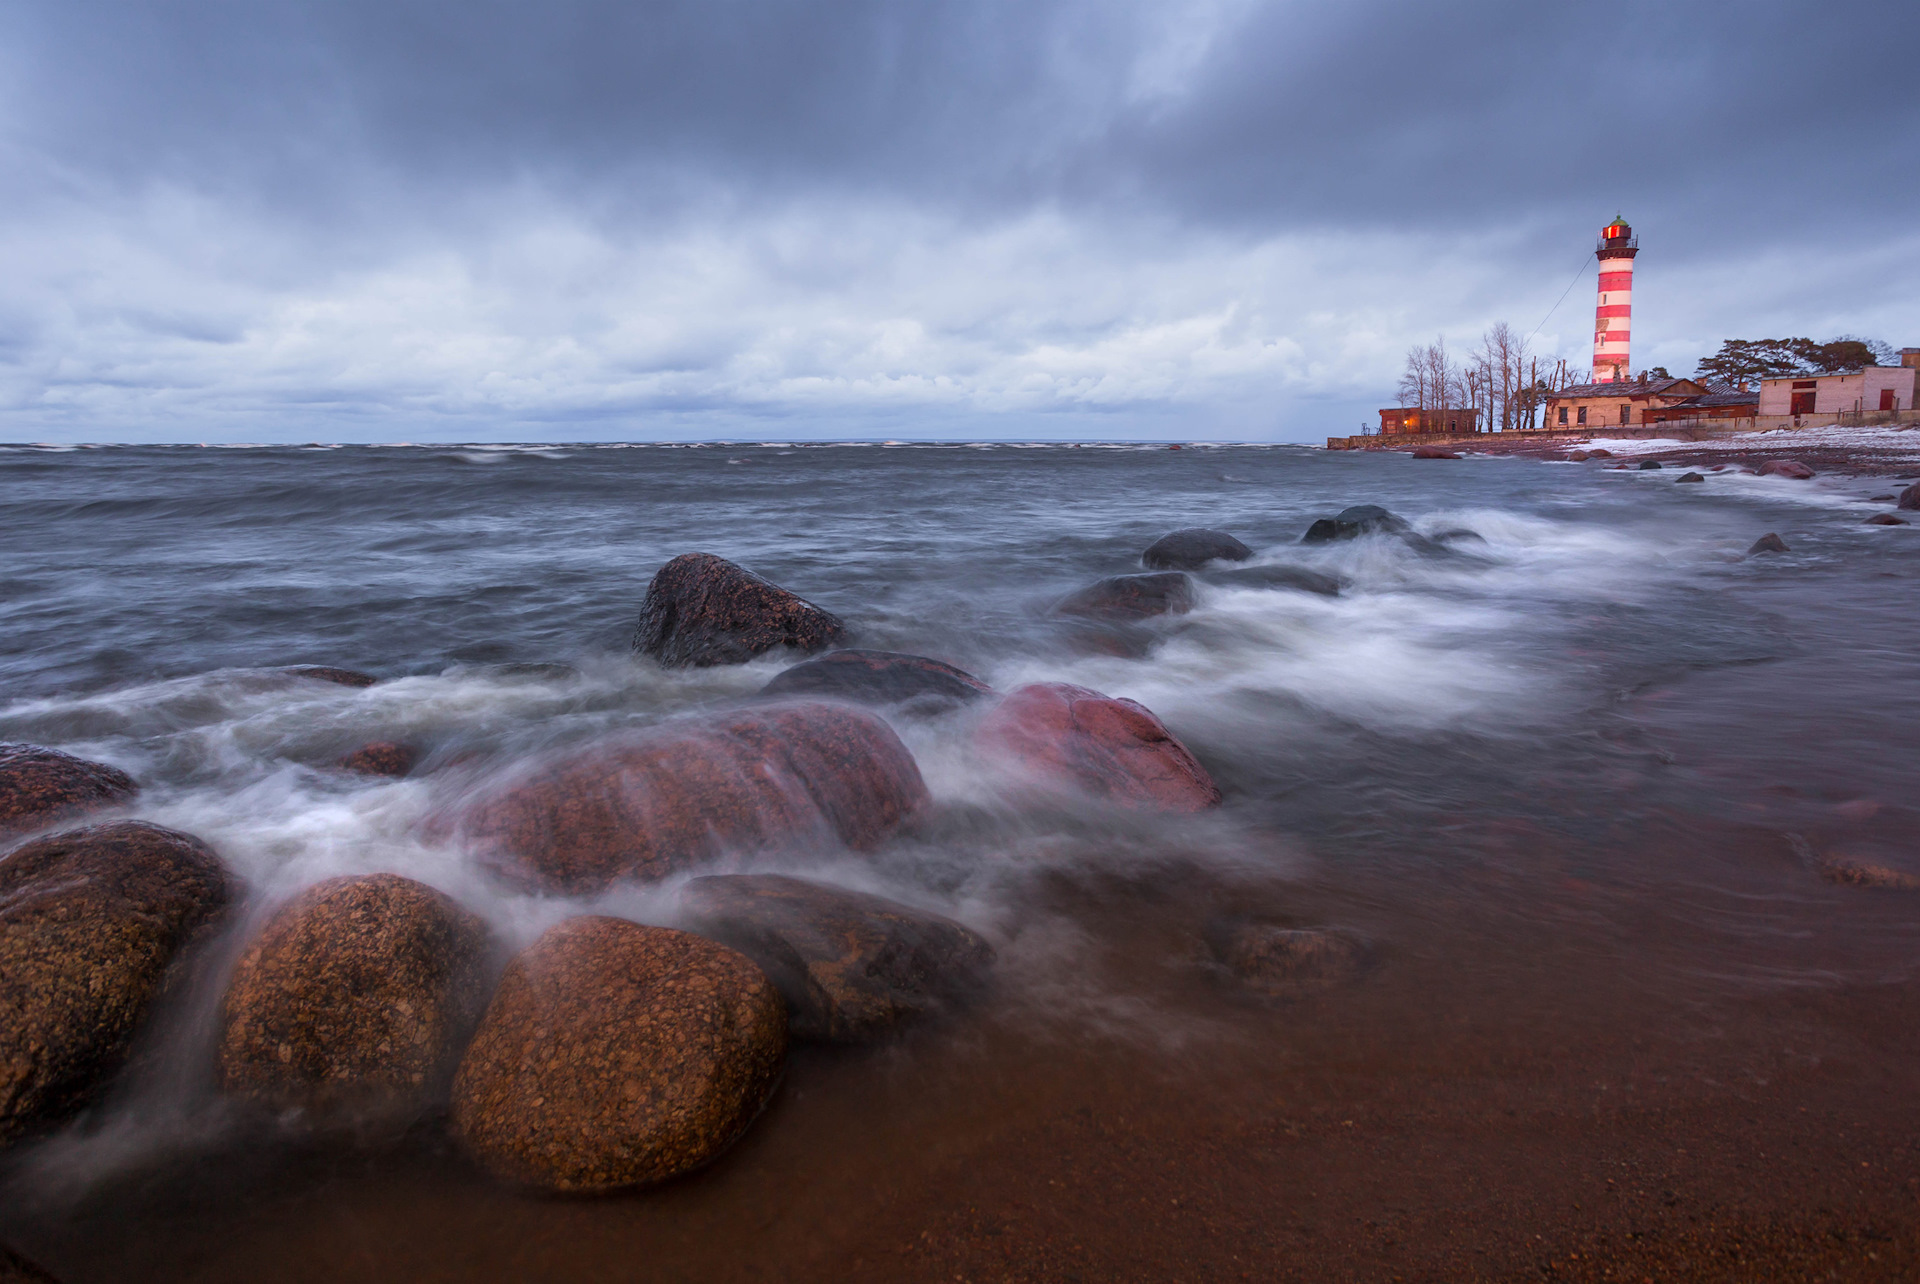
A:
x: 608, y: 1053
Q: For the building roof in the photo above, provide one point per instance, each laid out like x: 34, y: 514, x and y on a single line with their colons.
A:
x: 1626, y: 388
x: 1724, y: 399
x: 1828, y: 374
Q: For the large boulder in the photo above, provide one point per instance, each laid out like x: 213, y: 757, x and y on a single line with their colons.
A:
x: 702, y: 610
x: 355, y: 999
x: 1115, y: 750
x: 850, y: 965
x: 1768, y: 543
x: 1131, y: 597
x: 614, y: 1054
x: 880, y: 677
x: 1792, y: 468
x: 90, y: 921
x: 1277, y: 577
x: 1193, y: 548
x: 802, y: 775
x: 1885, y: 519
x: 1910, y: 498
x: 41, y: 787
x: 1355, y: 521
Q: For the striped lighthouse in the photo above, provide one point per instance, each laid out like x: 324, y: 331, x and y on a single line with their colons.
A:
x: 1613, y: 312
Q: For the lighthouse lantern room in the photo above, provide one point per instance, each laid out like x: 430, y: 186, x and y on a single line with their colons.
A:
x: 1613, y: 312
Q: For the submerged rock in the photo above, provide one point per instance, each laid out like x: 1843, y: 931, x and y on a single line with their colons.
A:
x: 327, y: 673
x: 1690, y: 477
x: 1600, y: 453
x: 1786, y: 468
x: 1115, y: 750
x: 40, y: 787
x: 1434, y: 452
x: 1277, y: 577
x: 850, y: 965
x: 701, y: 610
x: 1278, y: 960
x: 1131, y: 597
x: 1769, y: 543
x: 1649, y: 465
x: 1853, y: 872
x: 1192, y: 548
x: 796, y: 776
x: 1910, y: 497
x: 879, y: 677
x: 90, y: 921
x: 355, y: 999
x: 1579, y: 457
x: 1885, y: 519
x: 614, y: 1055
x: 1459, y: 535
x: 381, y: 758
x: 1353, y: 522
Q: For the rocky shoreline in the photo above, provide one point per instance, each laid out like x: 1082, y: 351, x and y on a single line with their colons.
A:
x: 607, y: 1053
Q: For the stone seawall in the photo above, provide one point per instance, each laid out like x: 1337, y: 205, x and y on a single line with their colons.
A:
x: 1697, y: 430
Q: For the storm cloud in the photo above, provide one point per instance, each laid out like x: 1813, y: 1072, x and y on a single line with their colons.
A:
x: 1219, y: 218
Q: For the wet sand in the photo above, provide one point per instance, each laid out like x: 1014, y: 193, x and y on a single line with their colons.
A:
x: 1544, y: 1077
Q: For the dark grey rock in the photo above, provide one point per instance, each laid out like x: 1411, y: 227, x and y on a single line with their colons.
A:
x: 1192, y: 549
x: 702, y: 610
x: 880, y: 677
x: 851, y: 966
x: 1277, y: 577
x: 1769, y: 543
x: 1131, y: 597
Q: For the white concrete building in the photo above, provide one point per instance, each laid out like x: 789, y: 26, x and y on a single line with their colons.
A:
x: 1868, y: 391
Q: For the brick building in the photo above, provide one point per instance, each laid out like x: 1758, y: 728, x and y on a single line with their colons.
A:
x: 1405, y: 419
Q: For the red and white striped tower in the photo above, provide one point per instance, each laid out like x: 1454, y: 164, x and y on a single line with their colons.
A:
x: 1613, y: 313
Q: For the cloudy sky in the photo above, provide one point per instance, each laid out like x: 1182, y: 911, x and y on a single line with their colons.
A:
x: 349, y: 220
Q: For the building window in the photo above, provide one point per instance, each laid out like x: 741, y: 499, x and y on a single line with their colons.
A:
x: 1581, y: 417
x: 1563, y: 416
x: 1625, y: 411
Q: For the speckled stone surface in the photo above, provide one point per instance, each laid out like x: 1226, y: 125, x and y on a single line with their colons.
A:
x: 851, y: 966
x: 879, y: 677
x: 1131, y: 597
x: 327, y: 673
x: 615, y: 1055
x: 356, y: 998
x: 1115, y: 750
x: 381, y: 758
x: 703, y: 610
x: 41, y: 787
x: 1193, y: 548
x: 793, y: 776
x: 15, y: 1269
x: 1275, y: 960
x: 90, y: 919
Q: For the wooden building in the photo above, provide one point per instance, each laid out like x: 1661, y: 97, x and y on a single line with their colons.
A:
x: 1620, y: 404
x: 1738, y: 404
x: 1406, y: 419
